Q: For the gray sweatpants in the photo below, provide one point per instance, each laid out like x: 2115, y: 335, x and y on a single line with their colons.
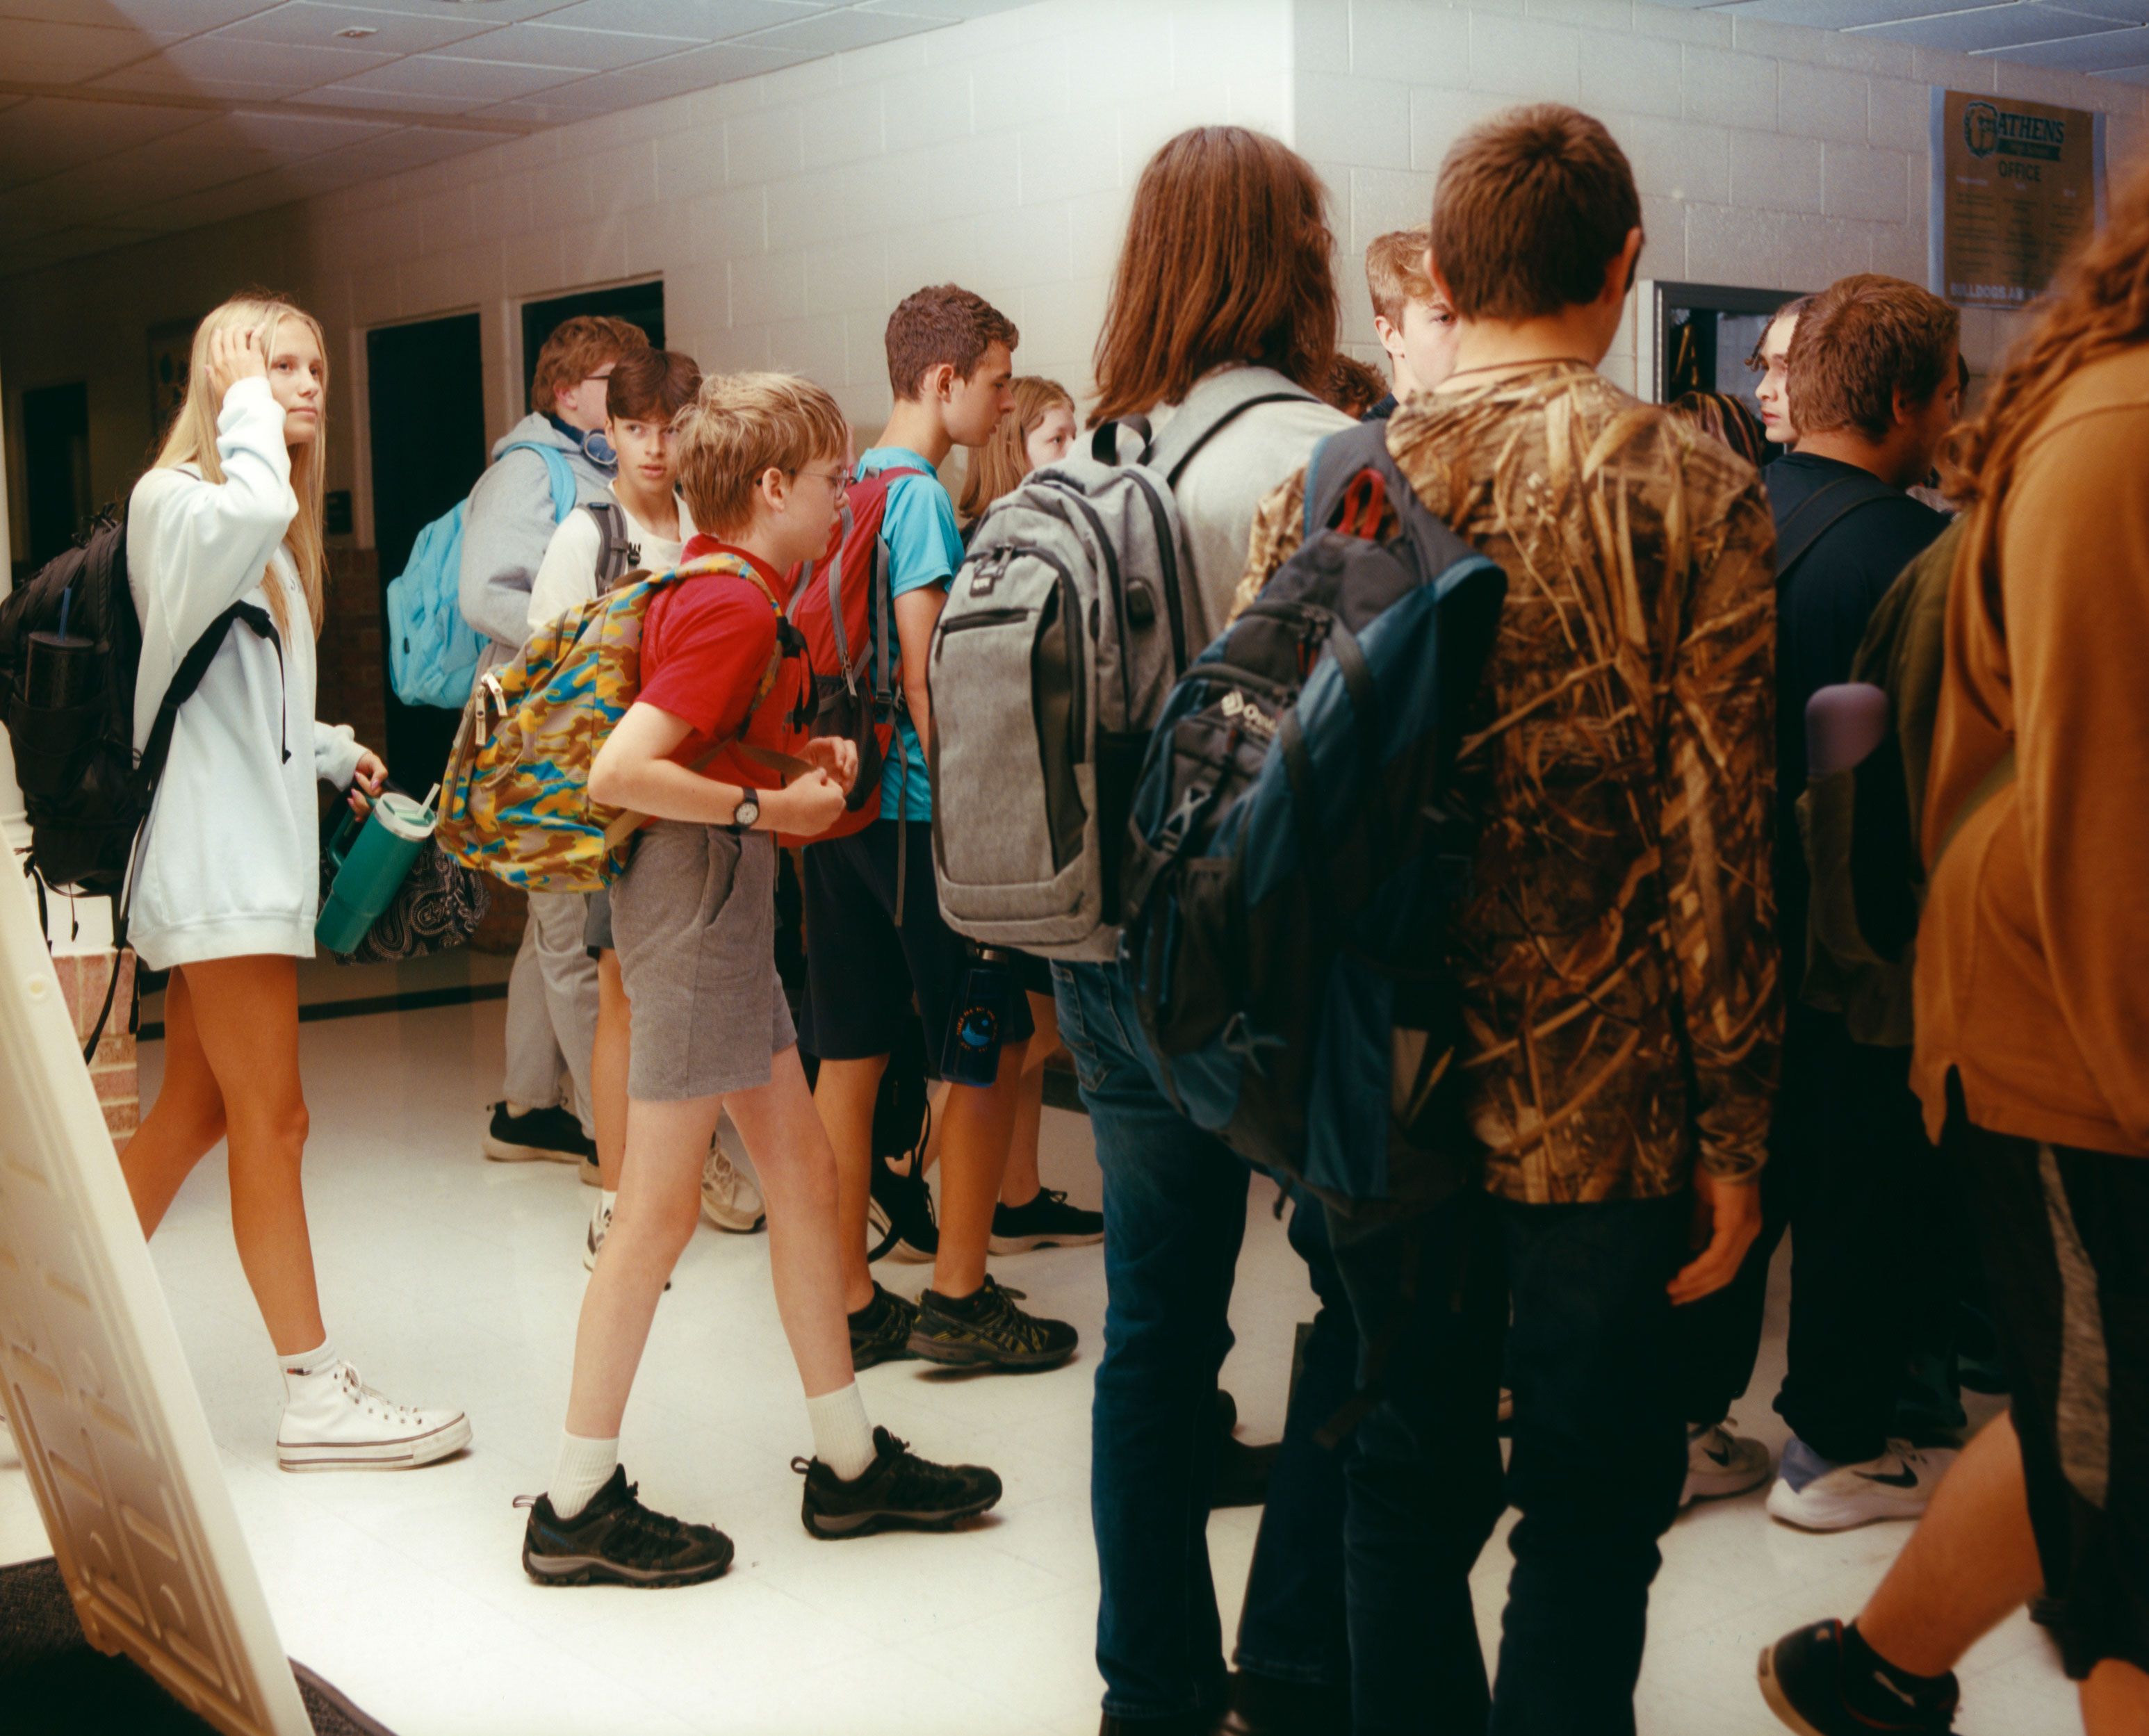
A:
x: 552, y: 1010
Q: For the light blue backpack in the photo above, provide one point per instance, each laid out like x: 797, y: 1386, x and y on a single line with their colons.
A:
x: 433, y: 653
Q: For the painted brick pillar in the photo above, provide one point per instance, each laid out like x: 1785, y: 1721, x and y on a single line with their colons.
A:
x: 113, y: 1068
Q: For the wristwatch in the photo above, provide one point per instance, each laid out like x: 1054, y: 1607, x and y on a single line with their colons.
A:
x: 749, y: 810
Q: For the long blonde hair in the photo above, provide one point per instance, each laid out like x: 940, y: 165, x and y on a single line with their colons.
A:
x: 192, y: 440
x: 995, y: 468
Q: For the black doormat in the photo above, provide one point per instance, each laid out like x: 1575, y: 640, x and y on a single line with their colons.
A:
x: 54, y: 1683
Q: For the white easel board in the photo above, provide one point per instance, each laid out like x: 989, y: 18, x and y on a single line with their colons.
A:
x: 95, y: 1386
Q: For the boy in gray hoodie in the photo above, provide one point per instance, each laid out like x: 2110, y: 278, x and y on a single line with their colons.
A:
x: 552, y: 991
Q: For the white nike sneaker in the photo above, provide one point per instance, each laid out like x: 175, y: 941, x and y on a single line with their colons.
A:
x: 1816, y: 1494
x: 600, y: 1222
x: 1720, y: 1463
x: 730, y: 1198
x: 334, y: 1421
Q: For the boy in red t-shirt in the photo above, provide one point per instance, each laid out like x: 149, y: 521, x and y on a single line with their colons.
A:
x: 763, y: 460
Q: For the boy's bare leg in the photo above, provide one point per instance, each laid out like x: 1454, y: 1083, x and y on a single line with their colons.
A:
x: 608, y: 1070
x: 791, y: 1153
x: 844, y: 1095
x: 974, y: 1155
x: 660, y: 1199
x: 1971, y: 1562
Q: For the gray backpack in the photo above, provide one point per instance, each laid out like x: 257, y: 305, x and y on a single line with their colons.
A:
x: 1074, y: 614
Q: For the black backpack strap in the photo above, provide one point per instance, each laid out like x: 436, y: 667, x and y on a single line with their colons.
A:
x: 617, y: 554
x: 1806, y: 523
x: 187, y: 677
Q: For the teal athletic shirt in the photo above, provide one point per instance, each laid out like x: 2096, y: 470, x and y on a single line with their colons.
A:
x: 923, y: 548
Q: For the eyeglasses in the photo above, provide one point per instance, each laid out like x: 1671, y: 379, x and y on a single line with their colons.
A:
x: 603, y: 374
x: 839, y: 479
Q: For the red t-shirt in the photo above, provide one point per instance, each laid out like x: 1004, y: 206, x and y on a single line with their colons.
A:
x: 706, y: 646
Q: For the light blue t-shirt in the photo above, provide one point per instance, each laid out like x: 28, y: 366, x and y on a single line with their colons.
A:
x: 923, y: 548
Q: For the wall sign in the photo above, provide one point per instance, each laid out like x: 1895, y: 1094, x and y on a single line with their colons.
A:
x: 2016, y: 185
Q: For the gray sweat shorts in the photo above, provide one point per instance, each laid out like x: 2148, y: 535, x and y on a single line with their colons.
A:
x: 694, y: 917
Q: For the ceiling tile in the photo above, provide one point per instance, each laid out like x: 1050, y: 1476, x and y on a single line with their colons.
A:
x: 2123, y: 11
x: 155, y: 172
x: 707, y: 21
x: 306, y: 22
x: 45, y: 134
x: 2126, y: 75
x: 831, y: 33
x: 953, y: 12
x: 1842, y: 14
x: 165, y: 19
x: 222, y: 65
x: 1990, y: 26
x: 292, y: 137
x: 581, y: 50
x: 44, y: 53
x: 2087, y: 53
x: 65, y: 244
x: 495, y: 12
x: 471, y: 82
x: 698, y: 69
x: 407, y: 101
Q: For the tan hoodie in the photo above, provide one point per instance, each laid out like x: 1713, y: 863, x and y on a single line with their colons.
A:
x: 2033, y: 959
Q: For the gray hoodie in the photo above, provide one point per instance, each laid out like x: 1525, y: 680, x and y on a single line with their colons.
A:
x: 505, y: 532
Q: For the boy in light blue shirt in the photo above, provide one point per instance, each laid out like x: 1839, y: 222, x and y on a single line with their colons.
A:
x: 875, y: 939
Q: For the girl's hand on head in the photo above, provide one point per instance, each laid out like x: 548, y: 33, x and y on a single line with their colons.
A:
x: 234, y: 355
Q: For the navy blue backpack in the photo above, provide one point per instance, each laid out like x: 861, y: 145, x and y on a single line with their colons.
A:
x: 1292, y: 862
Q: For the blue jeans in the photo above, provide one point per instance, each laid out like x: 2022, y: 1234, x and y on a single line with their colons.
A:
x: 1423, y: 1474
x: 1175, y: 1214
x: 1599, y: 1455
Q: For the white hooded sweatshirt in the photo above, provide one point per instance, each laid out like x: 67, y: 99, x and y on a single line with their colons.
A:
x: 230, y: 861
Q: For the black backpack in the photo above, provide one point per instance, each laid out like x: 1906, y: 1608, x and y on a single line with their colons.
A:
x: 85, y: 791
x: 1293, y: 857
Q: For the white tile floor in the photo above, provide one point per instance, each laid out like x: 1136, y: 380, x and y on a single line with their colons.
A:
x: 451, y: 1279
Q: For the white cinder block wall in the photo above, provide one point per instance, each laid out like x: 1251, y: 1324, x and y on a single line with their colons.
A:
x: 786, y: 212
x: 1766, y: 154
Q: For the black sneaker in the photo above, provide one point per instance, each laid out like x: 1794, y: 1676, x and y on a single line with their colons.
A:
x: 551, y: 1136
x: 1810, y: 1685
x: 1047, y: 1221
x: 898, y: 1492
x: 986, y: 1330
x: 880, y: 1332
x: 900, y: 1210
x: 617, y: 1541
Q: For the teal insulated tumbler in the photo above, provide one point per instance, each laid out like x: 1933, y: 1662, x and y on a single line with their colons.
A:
x: 370, y: 858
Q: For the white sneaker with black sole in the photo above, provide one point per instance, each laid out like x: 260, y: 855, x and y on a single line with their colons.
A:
x: 334, y: 1421
x: 731, y: 1199
x: 1816, y: 1494
x: 1720, y: 1463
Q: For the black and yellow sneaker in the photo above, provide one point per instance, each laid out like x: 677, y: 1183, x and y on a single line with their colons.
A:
x: 880, y: 1332
x: 1047, y: 1221
x: 986, y: 1330
x: 898, y: 1492
x: 617, y: 1541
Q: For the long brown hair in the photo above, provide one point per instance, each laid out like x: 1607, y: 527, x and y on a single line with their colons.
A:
x: 1226, y: 259
x: 2099, y: 305
x: 192, y: 441
x: 1004, y: 460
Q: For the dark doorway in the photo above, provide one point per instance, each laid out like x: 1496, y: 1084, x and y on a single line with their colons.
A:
x: 55, y: 468
x: 426, y: 396
x: 643, y: 303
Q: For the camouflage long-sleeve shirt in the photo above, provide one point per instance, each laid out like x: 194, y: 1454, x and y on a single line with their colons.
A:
x: 1617, y: 963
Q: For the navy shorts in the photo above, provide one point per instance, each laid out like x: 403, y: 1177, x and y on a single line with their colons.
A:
x: 864, y: 972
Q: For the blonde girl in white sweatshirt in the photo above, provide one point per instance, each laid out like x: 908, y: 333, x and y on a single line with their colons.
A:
x: 227, y: 875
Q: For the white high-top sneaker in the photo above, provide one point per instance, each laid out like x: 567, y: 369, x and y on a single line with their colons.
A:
x: 334, y: 1421
x: 731, y: 1199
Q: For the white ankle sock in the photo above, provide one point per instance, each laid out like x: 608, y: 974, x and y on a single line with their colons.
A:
x: 610, y: 1201
x: 515, y: 1111
x: 842, y: 1437
x: 585, y: 1467
x: 309, y: 1363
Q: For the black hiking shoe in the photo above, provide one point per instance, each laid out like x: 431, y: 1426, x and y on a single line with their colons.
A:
x: 1811, y: 1684
x: 880, y: 1332
x: 617, y: 1541
x: 1047, y: 1221
x: 898, y: 1492
x: 986, y: 1330
x: 900, y: 1210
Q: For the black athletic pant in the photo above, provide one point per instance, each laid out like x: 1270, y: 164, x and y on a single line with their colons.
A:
x: 1878, y: 1247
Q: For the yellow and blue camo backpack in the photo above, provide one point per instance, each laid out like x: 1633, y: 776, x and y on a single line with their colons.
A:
x: 515, y: 801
